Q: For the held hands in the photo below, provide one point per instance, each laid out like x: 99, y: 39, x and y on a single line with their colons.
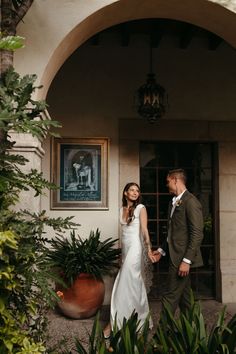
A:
x: 154, y: 256
x: 183, y: 269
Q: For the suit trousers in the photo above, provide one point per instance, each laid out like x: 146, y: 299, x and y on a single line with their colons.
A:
x: 178, y: 291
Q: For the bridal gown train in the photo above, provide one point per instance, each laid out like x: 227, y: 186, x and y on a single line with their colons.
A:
x: 129, y: 292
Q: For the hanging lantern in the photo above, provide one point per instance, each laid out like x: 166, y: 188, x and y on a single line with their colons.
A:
x: 152, y: 98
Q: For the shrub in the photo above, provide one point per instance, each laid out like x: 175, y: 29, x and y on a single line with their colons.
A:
x: 25, y: 291
x: 189, y: 334
x: 186, y: 334
x: 73, y: 256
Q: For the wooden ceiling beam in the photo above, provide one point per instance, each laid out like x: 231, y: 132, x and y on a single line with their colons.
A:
x: 156, y: 29
x: 186, y: 35
x: 214, y: 41
x: 125, y: 35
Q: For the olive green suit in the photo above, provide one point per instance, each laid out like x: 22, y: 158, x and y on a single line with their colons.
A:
x: 185, y: 234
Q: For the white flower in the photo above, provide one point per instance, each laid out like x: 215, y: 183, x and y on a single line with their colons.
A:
x: 178, y: 203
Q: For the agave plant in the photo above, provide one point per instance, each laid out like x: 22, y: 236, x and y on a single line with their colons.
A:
x: 74, y: 255
x: 130, y: 339
x: 188, y: 333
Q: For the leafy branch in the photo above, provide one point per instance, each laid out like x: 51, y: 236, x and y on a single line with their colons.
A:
x: 18, y: 111
x: 25, y: 278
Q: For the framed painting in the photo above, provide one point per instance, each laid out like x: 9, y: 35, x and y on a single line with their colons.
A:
x: 80, y: 170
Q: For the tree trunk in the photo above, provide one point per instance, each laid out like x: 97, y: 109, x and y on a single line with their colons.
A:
x: 7, y: 29
x: 22, y: 10
x: 9, y: 19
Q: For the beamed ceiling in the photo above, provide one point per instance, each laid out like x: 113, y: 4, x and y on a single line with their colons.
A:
x: 157, y: 30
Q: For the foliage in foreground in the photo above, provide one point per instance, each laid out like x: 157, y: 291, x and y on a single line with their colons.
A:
x: 11, y: 42
x: 186, y: 334
x: 189, y: 334
x: 25, y: 285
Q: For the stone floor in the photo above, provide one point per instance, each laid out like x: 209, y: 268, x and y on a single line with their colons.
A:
x: 65, y: 329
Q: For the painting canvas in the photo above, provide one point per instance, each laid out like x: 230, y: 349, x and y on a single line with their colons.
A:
x: 79, y: 169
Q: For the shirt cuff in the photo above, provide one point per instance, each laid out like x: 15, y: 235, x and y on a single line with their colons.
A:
x: 161, y: 251
x: 185, y: 260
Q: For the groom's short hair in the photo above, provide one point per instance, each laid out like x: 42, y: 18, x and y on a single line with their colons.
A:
x: 178, y: 173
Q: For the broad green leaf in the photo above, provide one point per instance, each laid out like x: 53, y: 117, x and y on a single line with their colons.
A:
x: 11, y: 42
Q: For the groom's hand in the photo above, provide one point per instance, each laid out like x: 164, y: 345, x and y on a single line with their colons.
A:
x: 184, y: 269
x: 156, y: 256
x: 151, y: 256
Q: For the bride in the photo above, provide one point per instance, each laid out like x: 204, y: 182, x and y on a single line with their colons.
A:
x: 129, y: 292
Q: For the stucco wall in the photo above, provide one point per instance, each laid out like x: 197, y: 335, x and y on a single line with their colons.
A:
x: 92, y: 94
x: 95, y: 89
x: 227, y: 184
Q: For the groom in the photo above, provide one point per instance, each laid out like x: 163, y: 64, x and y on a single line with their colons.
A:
x: 184, y: 237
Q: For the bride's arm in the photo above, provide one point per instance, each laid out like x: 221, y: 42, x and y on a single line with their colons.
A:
x: 143, y: 222
x: 153, y: 256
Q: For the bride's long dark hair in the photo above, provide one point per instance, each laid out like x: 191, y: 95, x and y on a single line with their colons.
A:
x: 135, y: 203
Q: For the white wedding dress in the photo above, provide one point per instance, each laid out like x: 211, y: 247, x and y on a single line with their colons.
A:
x: 129, y: 291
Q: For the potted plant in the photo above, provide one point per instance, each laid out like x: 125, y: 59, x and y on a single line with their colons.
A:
x: 82, y: 264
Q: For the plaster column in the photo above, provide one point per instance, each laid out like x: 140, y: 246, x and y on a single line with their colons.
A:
x: 129, y: 162
x: 227, y: 187
x: 29, y: 147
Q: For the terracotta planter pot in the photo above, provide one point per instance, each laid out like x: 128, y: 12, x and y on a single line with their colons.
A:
x: 83, y: 298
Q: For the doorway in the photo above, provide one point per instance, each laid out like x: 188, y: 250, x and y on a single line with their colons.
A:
x: 199, y: 162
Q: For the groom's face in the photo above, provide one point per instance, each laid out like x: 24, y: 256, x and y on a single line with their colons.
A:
x: 171, y: 184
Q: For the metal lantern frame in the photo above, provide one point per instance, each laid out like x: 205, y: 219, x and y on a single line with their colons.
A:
x: 152, y: 97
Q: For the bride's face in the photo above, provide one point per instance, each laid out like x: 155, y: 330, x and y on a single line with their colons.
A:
x: 132, y: 193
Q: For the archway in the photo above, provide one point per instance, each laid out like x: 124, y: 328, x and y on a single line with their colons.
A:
x: 203, y: 13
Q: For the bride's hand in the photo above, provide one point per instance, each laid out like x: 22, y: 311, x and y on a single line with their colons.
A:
x: 151, y: 256
x: 156, y: 256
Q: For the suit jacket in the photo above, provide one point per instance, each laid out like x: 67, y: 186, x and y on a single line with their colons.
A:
x: 185, y: 231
